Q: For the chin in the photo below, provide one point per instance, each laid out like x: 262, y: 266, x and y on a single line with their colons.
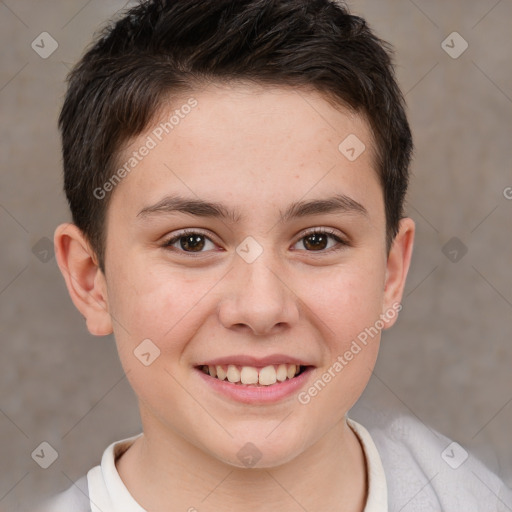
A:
x: 257, y: 451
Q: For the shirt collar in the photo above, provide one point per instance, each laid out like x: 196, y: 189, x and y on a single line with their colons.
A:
x: 377, y: 497
x: 106, y: 489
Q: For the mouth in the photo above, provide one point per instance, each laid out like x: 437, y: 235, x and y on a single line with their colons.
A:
x: 254, y: 376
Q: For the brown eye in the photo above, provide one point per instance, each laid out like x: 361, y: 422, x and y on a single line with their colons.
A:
x: 191, y: 242
x: 315, y: 241
x: 319, y: 241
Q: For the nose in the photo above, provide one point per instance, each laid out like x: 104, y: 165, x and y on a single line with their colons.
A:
x: 257, y: 298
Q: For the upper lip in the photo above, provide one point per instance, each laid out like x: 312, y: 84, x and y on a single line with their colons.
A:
x: 245, y: 360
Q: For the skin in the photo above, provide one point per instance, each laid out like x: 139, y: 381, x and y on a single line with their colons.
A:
x: 255, y: 150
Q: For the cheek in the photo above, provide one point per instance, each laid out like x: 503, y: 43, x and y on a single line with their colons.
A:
x: 346, y: 300
x: 167, y: 310
x: 345, y: 310
x: 157, y: 304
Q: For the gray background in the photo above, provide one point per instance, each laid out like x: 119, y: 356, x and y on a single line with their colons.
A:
x: 447, y: 361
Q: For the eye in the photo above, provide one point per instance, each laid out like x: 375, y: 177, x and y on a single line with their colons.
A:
x: 189, y: 241
x: 317, y: 240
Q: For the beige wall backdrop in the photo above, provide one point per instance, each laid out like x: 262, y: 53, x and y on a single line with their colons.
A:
x: 448, y: 360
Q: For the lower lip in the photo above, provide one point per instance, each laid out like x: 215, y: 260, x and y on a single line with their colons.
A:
x: 257, y: 394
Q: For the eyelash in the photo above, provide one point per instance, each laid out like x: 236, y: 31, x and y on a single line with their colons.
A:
x: 316, y: 231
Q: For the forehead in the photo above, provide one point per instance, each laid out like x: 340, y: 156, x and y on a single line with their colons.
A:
x: 249, y: 145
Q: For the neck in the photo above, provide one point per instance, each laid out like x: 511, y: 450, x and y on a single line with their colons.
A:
x: 163, y: 471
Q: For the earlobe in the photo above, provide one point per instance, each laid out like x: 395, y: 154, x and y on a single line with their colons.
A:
x: 84, y: 279
x: 398, y: 263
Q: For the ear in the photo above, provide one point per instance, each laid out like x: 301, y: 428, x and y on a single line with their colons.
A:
x: 84, y: 279
x: 399, y: 259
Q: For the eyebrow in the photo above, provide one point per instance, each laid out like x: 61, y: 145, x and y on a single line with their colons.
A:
x: 339, y: 203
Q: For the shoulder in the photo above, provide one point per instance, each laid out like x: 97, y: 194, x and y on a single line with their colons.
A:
x: 426, y: 471
x: 73, y: 499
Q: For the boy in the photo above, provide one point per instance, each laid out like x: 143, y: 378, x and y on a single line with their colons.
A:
x: 236, y: 171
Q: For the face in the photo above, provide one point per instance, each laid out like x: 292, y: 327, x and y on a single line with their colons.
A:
x: 244, y: 237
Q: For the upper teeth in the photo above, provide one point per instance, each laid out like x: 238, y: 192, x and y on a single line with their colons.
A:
x: 250, y: 375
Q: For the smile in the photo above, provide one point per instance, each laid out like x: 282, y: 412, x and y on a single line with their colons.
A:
x: 254, y: 385
x: 253, y: 376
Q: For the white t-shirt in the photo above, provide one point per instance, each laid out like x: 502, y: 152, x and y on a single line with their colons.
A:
x: 411, y: 468
x: 104, y: 491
